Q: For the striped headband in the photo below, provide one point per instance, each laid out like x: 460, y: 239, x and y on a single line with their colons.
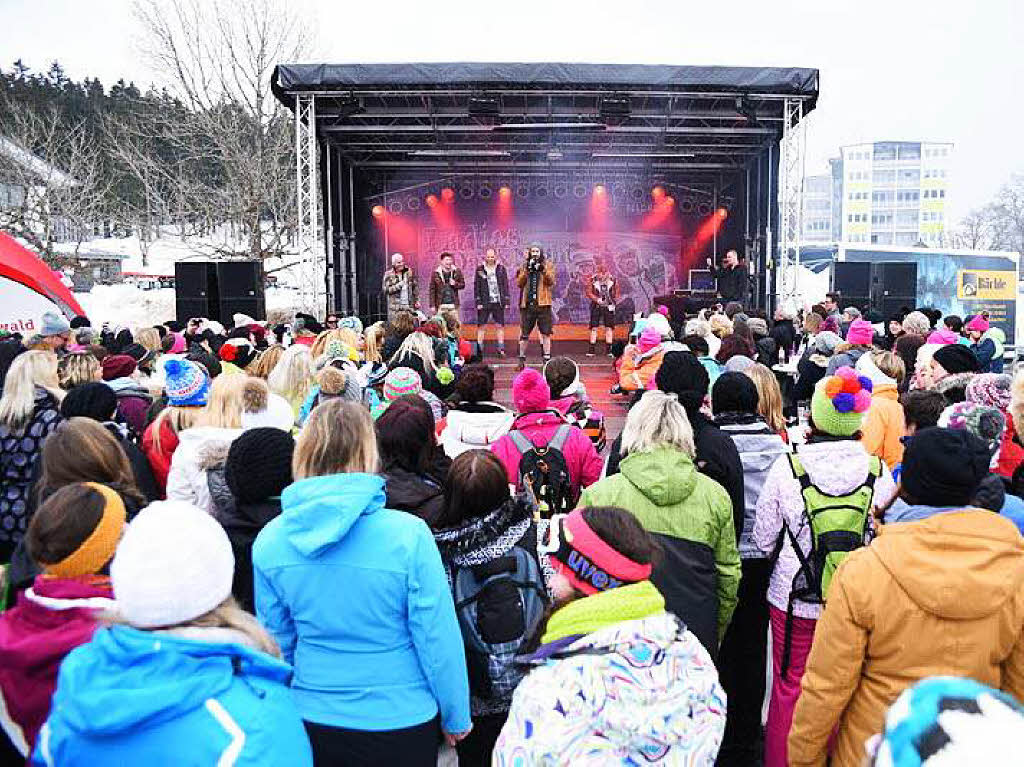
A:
x: 99, y: 547
x: 586, y: 561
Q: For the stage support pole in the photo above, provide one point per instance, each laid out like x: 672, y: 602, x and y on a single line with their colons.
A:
x: 791, y: 183
x: 351, y: 275
x: 310, y: 253
x: 330, y: 263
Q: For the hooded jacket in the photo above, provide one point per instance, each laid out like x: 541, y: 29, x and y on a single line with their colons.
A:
x: 160, y: 460
x: 133, y: 402
x: 884, y: 425
x: 243, y: 523
x: 141, y: 697
x: 691, y: 517
x: 836, y: 468
x: 481, y: 291
x: 475, y: 426
x: 187, y: 479
x: 357, y: 598
x: 998, y: 339
x: 51, y: 619
x: 580, y: 456
x: 437, y: 286
x: 638, y: 369
x: 942, y: 596
x: 416, y: 493
x: 392, y: 286
x: 635, y: 692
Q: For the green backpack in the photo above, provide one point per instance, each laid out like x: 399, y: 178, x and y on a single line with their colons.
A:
x: 838, y: 525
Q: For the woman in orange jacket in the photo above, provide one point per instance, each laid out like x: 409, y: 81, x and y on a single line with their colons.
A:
x: 939, y: 592
x: 884, y: 426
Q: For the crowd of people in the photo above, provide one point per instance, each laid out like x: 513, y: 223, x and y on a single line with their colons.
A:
x: 330, y: 543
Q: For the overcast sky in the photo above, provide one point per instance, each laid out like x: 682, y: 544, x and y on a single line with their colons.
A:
x: 890, y: 69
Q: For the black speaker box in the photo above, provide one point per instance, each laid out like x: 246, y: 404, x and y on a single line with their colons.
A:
x: 851, y: 278
x: 195, y: 290
x: 219, y: 289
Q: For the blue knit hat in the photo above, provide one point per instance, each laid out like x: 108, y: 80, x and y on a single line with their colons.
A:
x: 187, y: 385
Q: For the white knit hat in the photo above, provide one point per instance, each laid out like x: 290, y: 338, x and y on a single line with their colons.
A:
x: 660, y: 323
x: 278, y: 414
x: 173, y: 564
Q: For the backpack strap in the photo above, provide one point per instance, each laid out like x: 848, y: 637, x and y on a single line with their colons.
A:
x: 523, y: 445
x: 799, y: 472
x: 559, y: 438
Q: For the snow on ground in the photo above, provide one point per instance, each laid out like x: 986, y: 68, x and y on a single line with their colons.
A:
x: 131, y: 307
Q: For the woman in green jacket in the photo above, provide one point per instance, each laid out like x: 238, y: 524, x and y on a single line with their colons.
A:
x: 689, y: 514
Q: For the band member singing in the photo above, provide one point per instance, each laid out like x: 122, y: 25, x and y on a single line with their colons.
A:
x: 536, y: 280
x: 732, y: 277
x: 400, y: 287
x: 490, y: 289
x: 445, y: 284
x: 603, y: 292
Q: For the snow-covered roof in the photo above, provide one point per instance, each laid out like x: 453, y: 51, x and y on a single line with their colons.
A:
x: 33, y: 163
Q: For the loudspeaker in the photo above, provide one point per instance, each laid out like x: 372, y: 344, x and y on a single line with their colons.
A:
x: 241, y: 289
x: 894, y: 286
x: 195, y: 290
x: 851, y: 278
x: 219, y: 289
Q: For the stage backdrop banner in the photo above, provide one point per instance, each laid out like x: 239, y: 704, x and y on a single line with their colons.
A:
x: 643, y: 264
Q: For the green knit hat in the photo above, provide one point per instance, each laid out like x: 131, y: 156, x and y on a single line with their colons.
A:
x: 840, y: 402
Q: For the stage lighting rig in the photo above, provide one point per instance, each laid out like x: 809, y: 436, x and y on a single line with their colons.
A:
x: 615, y: 106
x: 484, y: 105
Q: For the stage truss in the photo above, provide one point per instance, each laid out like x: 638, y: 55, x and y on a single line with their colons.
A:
x: 792, y: 159
x: 312, y: 258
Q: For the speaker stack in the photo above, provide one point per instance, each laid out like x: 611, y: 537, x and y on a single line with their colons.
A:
x: 219, y: 289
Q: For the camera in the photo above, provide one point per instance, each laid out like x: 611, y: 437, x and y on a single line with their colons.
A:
x: 534, y: 263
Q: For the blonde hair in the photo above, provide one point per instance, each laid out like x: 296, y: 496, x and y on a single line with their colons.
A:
x: 891, y: 364
x: 347, y: 336
x: 374, y: 339
x: 266, y: 362
x: 658, y: 419
x: 451, y: 322
x: 29, y: 370
x: 224, y: 407
x: 149, y: 338
x: 177, y: 418
x: 420, y: 345
x: 721, y: 325
x: 1017, y: 403
x: 293, y: 374
x: 917, y: 323
x: 78, y: 368
x: 769, y: 395
x: 812, y: 322
x: 338, y: 438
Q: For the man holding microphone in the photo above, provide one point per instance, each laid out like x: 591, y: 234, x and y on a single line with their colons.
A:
x: 733, y: 281
x: 536, y: 280
x: 400, y: 287
x: 445, y: 284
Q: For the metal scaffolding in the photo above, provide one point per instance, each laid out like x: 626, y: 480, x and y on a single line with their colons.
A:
x: 311, y: 259
x: 791, y: 194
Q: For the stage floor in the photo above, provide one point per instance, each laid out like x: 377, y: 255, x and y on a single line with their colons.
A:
x: 597, y: 373
x: 564, y: 331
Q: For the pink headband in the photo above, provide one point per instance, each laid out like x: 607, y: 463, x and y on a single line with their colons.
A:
x: 587, y: 562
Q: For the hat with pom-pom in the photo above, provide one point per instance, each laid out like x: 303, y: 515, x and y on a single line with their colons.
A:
x: 187, y: 385
x: 649, y: 339
x: 401, y: 382
x: 530, y: 392
x: 978, y: 323
x: 840, y: 402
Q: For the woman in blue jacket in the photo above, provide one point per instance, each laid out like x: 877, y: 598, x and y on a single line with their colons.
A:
x: 357, y: 597
x: 187, y: 677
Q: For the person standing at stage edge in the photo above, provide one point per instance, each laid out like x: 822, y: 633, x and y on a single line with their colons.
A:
x: 400, y: 287
x: 445, y: 284
x: 603, y: 292
x: 490, y: 291
x: 732, y: 278
x: 536, y: 280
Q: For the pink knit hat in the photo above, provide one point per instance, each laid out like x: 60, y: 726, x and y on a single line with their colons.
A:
x: 978, y: 323
x: 530, y: 392
x: 942, y: 336
x: 649, y: 338
x: 178, y: 346
x: 860, y: 332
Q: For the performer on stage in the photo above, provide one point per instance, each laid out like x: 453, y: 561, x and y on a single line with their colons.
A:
x: 400, y: 287
x: 490, y: 289
x: 603, y: 292
x: 732, y: 277
x: 536, y: 280
x: 445, y: 284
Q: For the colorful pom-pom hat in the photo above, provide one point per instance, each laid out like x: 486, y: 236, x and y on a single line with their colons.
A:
x: 840, y: 402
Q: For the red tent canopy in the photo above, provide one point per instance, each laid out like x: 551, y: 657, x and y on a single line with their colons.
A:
x: 20, y: 264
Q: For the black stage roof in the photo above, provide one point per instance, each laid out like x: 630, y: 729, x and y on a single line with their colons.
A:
x: 547, y: 118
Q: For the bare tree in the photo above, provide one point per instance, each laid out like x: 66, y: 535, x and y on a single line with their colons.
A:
x: 217, y: 59
x: 65, y: 192
x: 1008, y: 215
x: 975, y: 230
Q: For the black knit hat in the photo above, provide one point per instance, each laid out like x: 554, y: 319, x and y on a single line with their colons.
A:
x: 90, y: 400
x: 259, y: 464
x: 80, y: 321
x: 681, y: 373
x: 956, y: 358
x: 734, y: 393
x: 943, y: 467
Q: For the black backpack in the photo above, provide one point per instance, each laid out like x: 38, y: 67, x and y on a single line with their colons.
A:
x: 544, y: 472
x: 499, y: 605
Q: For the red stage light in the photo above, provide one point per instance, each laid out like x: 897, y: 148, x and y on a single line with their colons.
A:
x: 447, y: 194
x: 431, y: 200
x: 722, y: 213
x: 377, y: 210
x: 505, y: 192
x: 599, y: 189
x: 658, y: 192
x: 670, y: 200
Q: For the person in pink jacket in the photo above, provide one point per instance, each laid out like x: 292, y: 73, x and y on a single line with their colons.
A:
x: 72, y: 536
x: 531, y: 396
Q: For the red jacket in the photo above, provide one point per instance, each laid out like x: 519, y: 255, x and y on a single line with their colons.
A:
x: 50, y: 619
x: 160, y: 459
x: 582, y: 459
x: 1011, y: 454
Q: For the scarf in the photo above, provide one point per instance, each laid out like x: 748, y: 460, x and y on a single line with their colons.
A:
x: 606, y: 608
x: 533, y: 286
x: 485, y: 538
